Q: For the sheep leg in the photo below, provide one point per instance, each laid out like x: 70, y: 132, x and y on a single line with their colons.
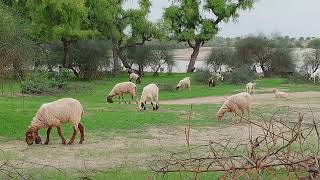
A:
x: 74, y: 134
x: 81, y: 128
x: 61, y: 136
x: 48, y: 134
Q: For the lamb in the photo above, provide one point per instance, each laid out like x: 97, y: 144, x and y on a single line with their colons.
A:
x: 184, y: 83
x: 211, y: 82
x: 122, y: 88
x: 251, y: 88
x: 241, y: 101
x: 150, y: 93
x: 53, y: 114
x: 136, y: 77
x: 315, y: 75
x: 279, y: 94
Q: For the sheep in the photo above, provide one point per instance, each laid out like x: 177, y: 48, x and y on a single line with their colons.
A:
x: 279, y: 94
x: 251, y: 88
x: 184, y: 83
x: 122, y: 88
x: 134, y: 76
x: 53, y: 114
x: 240, y: 101
x: 150, y: 93
x: 211, y: 82
x: 315, y: 75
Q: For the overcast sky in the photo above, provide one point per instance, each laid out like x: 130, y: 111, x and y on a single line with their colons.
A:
x: 289, y: 17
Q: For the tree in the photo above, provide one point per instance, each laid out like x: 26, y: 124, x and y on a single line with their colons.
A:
x: 187, y: 24
x: 312, y: 57
x: 17, y: 51
x: 162, y: 56
x: 141, y: 56
x: 113, y: 21
x: 282, y: 62
x: 220, y: 56
x: 58, y: 20
x: 257, y: 50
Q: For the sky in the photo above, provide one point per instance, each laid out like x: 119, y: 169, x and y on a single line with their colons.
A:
x: 294, y: 18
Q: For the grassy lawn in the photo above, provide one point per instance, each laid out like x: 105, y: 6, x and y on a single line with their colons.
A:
x: 102, y: 119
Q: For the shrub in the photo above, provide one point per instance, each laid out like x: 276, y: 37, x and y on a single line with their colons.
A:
x: 202, y: 75
x: 40, y: 82
x: 298, y: 78
x: 166, y: 87
x: 241, y: 75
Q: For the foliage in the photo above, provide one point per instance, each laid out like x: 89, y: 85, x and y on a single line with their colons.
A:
x: 202, y: 75
x: 311, y: 61
x: 162, y: 57
x: 220, y: 56
x: 91, y: 56
x: 241, y: 75
x: 125, y: 27
x: 255, y: 49
x: 281, y: 62
x: 314, y: 43
x: 58, y: 20
x: 16, y: 49
x: 142, y: 56
x: 40, y: 82
x: 187, y: 24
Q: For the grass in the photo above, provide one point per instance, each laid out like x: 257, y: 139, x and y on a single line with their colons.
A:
x: 103, y: 119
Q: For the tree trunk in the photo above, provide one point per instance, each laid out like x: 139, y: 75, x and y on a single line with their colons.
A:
x: 123, y: 59
x: 194, y: 56
x: 115, y: 54
x: 66, y: 56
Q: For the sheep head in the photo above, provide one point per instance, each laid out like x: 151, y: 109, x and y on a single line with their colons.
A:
x: 274, y: 90
x: 219, y: 116
x: 32, y: 135
x: 109, y: 99
x: 177, y: 88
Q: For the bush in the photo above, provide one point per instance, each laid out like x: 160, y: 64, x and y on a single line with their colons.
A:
x: 202, y: 75
x: 298, y: 78
x: 241, y: 75
x: 167, y: 87
x: 40, y: 82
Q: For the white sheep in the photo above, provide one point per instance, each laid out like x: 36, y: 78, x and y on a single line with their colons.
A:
x: 122, y: 88
x: 251, y: 88
x: 315, y: 75
x: 184, y: 83
x: 241, y: 101
x: 53, y: 114
x: 134, y: 76
x: 150, y: 93
x: 279, y: 94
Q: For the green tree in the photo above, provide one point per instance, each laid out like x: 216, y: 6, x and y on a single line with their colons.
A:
x: 113, y: 21
x: 220, y: 56
x: 188, y: 24
x: 58, y: 20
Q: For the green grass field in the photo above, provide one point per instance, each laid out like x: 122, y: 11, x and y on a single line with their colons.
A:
x: 103, y: 120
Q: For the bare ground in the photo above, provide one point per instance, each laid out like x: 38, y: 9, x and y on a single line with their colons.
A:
x: 137, y: 149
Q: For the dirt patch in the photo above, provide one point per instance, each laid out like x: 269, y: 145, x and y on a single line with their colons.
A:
x: 119, y: 151
x: 302, y: 97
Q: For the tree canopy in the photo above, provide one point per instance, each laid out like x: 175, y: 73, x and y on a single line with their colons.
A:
x: 196, y: 21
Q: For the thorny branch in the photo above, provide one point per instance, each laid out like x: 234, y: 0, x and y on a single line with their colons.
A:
x: 273, y: 143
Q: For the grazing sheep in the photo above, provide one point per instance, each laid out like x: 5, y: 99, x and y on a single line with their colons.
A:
x: 53, y: 114
x: 136, y: 77
x: 251, y: 88
x: 184, y: 83
x: 150, y: 93
x: 315, y: 75
x: 122, y: 88
x: 240, y: 101
x: 211, y: 82
x: 279, y: 94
